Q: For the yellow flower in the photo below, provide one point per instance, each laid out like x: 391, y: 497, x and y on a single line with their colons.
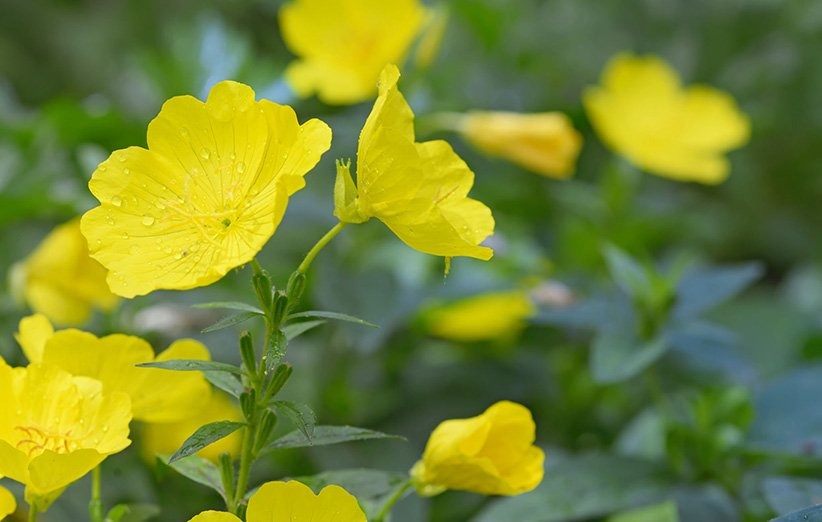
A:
x: 482, y: 317
x: 642, y: 112
x: 56, y: 427
x: 156, y: 395
x: 60, y: 280
x: 166, y: 437
x: 7, y: 502
x: 492, y: 454
x: 545, y: 143
x: 293, y: 501
x: 419, y: 190
x: 205, y: 196
x: 343, y: 45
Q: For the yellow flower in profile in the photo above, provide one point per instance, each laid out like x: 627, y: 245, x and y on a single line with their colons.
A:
x: 56, y: 427
x: 545, y: 143
x: 205, y: 196
x: 492, y: 454
x: 157, y: 395
x: 293, y: 501
x: 60, y: 280
x: 419, y: 190
x: 167, y: 437
x: 642, y: 112
x: 8, y: 504
x: 342, y: 45
x: 481, y: 317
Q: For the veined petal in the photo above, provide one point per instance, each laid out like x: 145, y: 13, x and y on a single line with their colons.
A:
x: 214, y: 516
x: 294, y: 500
x: 32, y: 334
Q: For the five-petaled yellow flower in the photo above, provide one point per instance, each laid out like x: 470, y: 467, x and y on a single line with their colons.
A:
x: 205, y: 196
x: 7, y: 502
x: 419, y: 190
x: 545, y: 142
x: 157, y: 395
x: 343, y: 45
x: 642, y: 112
x: 60, y: 280
x: 492, y: 454
x: 56, y: 427
x: 293, y: 501
x: 482, y: 317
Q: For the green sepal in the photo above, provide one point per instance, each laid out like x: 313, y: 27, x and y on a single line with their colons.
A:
x: 346, y: 207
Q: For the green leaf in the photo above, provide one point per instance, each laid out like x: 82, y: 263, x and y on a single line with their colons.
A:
x: 629, y: 275
x: 325, y: 435
x: 132, y: 513
x: 198, y: 469
x: 300, y: 414
x: 810, y: 514
x: 787, y: 494
x: 226, y: 382
x: 583, y: 487
x: 204, y: 436
x: 330, y: 315
x: 663, y: 512
x: 230, y: 305
x: 294, y: 330
x: 231, y: 320
x: 192, y: 365
x: 618, y: 355
x: 275, y: 350
x: 371, y: 487
x: 700, y: 290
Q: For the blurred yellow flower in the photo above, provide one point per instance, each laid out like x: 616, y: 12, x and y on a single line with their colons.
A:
x: 156, y: 395
x: 293, y: 501
x: 419, y: 190
x: 545, y: 143
x: 167, y: 437
x: 7, y: 502
x: 205, y: 196
x: 642, y: 112
x: 60, y: 280
x: 481, y: 317
x: 492, y: 454
x: 343, y: 45
x: 56, y: 427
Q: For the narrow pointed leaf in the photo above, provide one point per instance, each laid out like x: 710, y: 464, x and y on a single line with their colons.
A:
x: 300, y: 414
x: 204, y: 436
x: 295, y: 330
x: 231, y: 320
x: 193, y: 365
x: 198, y: 469
x: 226, y: 382
x: 325, y: 435
x: 330, y: 315
x: 230, y: 305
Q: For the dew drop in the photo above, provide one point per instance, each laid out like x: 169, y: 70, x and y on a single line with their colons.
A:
x: 126, y: 171
x: 205, y: 154
x: 184, y: 131
x: 240, y: 167
x: 121, y: 158
x: 125, y: 235
x: 102, y: 168
x: 110, y: 220
x: 116, y: 201
x: 148, y: 220
x: 178, y: 255
x: 232, y: 156
x: 105, y: 428
x: 160, y: 205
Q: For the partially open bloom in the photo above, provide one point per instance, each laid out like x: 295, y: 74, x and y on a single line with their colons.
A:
x: 167, y: 437
x: 56, y: 427
x: 7, y: 502
x: 642, y: 112
x: 293, y: 501
x: 343, y: 45
x: 481, y: 317
x: 157, y: 395
x: 492, y: 454
x: 545, y: 143
x: 60, y: 280
x: 419, y: 190
x: 205, y: 196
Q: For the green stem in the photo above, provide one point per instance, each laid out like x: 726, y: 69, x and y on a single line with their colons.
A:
x: 393, y: 499
x: 32, y: 513
x: 256, y: 266
x: 246, y: 459
x: 309, y: 257
x: 95, y: 506
x: 440, y: 121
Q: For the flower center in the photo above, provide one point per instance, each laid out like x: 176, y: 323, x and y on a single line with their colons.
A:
x: 35, y: 440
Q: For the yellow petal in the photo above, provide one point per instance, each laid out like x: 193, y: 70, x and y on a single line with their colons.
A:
x: 342, y: 46
x: 207, y: 194
x: 32, y: 334
x: 7, y: 503
x: 214, y: 516
x: 292, y: 500
x: 482, y: 317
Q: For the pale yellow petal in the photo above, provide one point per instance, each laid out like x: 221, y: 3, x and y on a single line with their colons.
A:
x: 13, y: 463
x: 214, y: 516
x: 7, y: 502
x: 32, y: 334
x: 482, y: 317
x: 51, y: 471
x: 292, y: 500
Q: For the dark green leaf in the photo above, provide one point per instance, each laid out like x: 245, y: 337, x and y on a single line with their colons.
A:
x: 300, y: 414
x: 619, y: 355
x: 787, y: 494
x: 371, y: 487
x: 204, y: 436
x: 330, y: 315
x: 629, y: 275
x: 231, y: 305
x: 294, y: 330
x: 191, y: 365
x: 198, y: 469
x: 132, y: 513
x: 700, y: 290
x: 275, y: 350
x: 231, y: 320
x: 324, y: 435
x: 225, y: 381
x: 662, y: 512
x: 809, y: 514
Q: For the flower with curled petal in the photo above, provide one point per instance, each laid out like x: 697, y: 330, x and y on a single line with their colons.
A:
x: 642, y: 112
x: 419, y: 190
x: 205, y: 196
x: 293, y: 501
x: 492, y: 454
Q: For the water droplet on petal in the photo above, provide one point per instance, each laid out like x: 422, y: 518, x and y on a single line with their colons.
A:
x: 125, y: 235
x: 160, y: 205
x: 102, y: 168
x: 116, y: 201
x: 184, y: 131
x: 240, y: 167
x: 148, y: 220
x: 205, y: 154
x: 105, y: 428
x: 126, y: 171
x: 121, y: 158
